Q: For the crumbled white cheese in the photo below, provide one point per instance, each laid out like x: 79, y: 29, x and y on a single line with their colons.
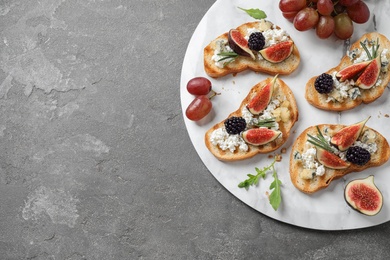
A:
x: 226, y: 141
x: 247, y: 115
x: 271, y: 36
x: 221, y: 46
x: 343, y: 90
x: 309, y: 162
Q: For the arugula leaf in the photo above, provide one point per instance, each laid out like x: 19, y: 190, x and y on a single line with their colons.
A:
x: 275, y: 198
x: 255, y: 13
x: 254, y: 179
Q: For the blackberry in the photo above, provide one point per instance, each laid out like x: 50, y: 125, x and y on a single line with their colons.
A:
x: 256, y: 41
x: 235, y: 125
x: 358, y: 155
x: 324, y: 83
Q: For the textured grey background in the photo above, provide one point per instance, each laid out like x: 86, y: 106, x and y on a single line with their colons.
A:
x: 95, y: 160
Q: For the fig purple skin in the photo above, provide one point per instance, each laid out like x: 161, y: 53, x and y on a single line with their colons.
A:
x: 239, y: 44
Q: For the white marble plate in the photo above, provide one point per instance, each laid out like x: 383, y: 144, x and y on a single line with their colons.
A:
x: 325, y: 210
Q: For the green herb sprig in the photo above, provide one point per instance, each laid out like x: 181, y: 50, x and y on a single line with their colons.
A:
x: 269, y: 122
x: 275, y: 198
x: 255, y: 13
x: 374, y: 50
x: 227, y: 55
x: 320, y: 141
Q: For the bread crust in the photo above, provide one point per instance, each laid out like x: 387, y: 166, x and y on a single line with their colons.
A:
x: 367, y: 95
x: 317, y: 183
x: 242, y: 63
x: 280, y: 89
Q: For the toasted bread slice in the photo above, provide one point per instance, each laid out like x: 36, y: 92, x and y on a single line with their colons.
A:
x: 367, y: 95
x: 286, y: 114
x: 313, y: 182
x: 215, y: 69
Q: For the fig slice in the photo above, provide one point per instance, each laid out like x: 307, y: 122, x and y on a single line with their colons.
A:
x: 364, y: 196
x: 260, y: 136
x: 239, y: 44
x: 278, y: 52
x: 346, y: 136
x: 370, y: 75
x: 331, y: 160
x: 352, y: 71
x: 262, y: 98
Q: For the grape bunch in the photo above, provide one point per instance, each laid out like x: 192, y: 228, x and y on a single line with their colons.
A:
x: 326, y: 16
x: 201, y: 105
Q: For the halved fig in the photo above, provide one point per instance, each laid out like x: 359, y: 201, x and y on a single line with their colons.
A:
x: 352, y: 71
x: 260, y: 136
x: 262, y: 98
x: 364, y: 196
x: 370, y: 75
x: 331, y: 160
x: 346, y: 136
x: 278, y: 52
x: 239, y: 44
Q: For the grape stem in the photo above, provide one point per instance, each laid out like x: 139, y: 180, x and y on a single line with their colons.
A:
x: 213, y: 94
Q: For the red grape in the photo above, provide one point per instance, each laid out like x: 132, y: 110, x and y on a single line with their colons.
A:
x: 325, y: 7
x: 348, y: 2
x: 199, y: 108
x: 343, y: 26
x: 359, y: 12
x: 306, y: 19
x: 291, y: 5
x: 199, y: 86
x: 325, y: 27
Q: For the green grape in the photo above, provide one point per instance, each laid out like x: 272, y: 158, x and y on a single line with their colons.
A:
x: 343, y: 26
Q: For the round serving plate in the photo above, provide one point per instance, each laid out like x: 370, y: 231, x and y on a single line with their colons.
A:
x: 325, y: 209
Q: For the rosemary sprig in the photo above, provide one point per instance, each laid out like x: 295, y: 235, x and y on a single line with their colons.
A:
x: 269, y: 122
x: 319, y: 141
x: 227, y: 55
x: 374, y: 50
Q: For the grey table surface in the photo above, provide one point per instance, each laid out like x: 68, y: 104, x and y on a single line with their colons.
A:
x: 95, y: 159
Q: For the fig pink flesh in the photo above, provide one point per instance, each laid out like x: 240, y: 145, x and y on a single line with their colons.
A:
x: 364, y: 197
x: 239, y: 44
x: 331, y: 160
x: 278, y: 52
x: 370, y: 75
x: 261, y: 100
x: 259, y: 136
x: 351, y: 71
